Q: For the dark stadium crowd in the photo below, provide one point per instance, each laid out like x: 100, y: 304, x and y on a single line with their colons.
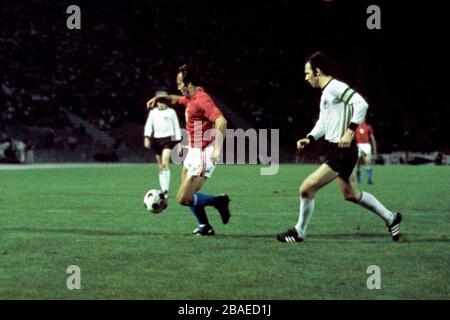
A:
x: 251, y: 55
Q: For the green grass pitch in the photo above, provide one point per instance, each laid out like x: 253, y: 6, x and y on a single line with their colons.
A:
x: 93, y: 217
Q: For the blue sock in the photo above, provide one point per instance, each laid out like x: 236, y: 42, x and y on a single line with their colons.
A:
x: 358, y: 175
x: 369, y: 174
x: 200, y: 199
x: 200, y: 214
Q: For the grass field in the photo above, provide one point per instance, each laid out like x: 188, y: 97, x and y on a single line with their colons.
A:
x: 93, y: 217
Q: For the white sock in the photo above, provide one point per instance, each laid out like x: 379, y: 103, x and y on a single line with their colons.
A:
x: 164, y: 180
x: 368, y: 201
x: 306, y: 210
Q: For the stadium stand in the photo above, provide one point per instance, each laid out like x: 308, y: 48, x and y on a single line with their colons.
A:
x: 104, y: 73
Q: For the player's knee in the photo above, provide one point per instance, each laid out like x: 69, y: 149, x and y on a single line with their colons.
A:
x: 163, y: 166
x: 184, y: 200
x: 306, y: 190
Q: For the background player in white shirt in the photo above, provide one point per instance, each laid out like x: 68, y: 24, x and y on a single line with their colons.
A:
x: 341, y: 111
x: 162, y: 133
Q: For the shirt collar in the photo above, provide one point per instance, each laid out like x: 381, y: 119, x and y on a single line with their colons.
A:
x: 197, y: 91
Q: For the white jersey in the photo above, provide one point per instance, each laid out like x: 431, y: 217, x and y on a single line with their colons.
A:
x: 339, y: 106
x: 162, y: 123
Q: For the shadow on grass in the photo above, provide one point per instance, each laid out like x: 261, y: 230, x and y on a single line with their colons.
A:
x: 76, y: 194
x: 105, y: 233
x: 85, y: 232
x: 345, y: 237
x: 405, y: 238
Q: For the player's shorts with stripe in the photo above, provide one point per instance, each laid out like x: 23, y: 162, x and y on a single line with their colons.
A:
x: 198, y: 161
x: 364, y: 149
x: 342, y: 160
x: 159, y: 144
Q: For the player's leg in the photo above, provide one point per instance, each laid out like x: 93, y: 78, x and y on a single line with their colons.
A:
x: 222, y: 201
x: 160, y: 176
x: 317, y: 180
x: 366, y: 200
x: 164, y: 170
x: 200, y: 164
x: 359, y: 162
x: 368, y: 163
x: 358, y: 170
x: 349, y: 188
x: 158, y: 149
x: 188, y: 187
x: 313, y: 183
x: 187, y: 195
x: 196, y: 168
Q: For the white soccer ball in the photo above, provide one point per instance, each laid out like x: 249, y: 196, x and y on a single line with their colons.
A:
x: 155, y: 201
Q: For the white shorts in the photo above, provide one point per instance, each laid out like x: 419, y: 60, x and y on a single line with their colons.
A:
x: 198, y: 162
x: 364, y: 149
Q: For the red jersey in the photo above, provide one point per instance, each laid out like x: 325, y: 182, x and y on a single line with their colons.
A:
x: 363, y: 133
x: 201, y: 112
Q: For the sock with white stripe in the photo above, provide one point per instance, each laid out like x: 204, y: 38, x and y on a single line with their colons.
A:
x: 306, y: 210
x: 201, y: 199
x: 371, y: 203
x: 200, y: 215
x: 164, y: 180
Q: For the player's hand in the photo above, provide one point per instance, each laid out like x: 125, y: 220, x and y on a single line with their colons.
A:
x: 346, y: 139
x: 147, y: 143
x: 215, y: 157
x: 302, y: 143
x: 151, y: 103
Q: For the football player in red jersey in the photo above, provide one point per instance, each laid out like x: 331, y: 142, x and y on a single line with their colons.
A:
x: 202, y: 117
x: 367, y: 146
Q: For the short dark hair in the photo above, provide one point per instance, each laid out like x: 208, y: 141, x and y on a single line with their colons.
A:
x: 321, y: 61
x: 190, y: 74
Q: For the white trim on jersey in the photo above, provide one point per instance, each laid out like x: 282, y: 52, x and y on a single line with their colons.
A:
x: 162, y: 123
x: 339, y: 106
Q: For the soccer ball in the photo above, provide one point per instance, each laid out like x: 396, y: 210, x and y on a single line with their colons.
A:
x: 155, y: 201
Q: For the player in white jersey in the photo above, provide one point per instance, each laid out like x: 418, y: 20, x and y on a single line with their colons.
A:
x: 341, y: 111
x: 162, y: 133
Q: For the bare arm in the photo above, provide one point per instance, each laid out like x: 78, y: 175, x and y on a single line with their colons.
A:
x: 176, y: 126
x: 374, y: 144
x: 148, y: 130
x: 221, y: 127
x: 170, y: 99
